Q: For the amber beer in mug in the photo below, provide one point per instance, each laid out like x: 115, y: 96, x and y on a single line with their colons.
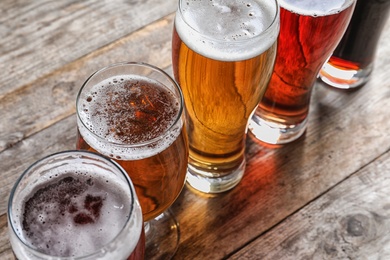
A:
x: 133, y: 113
x: 223, y: 53
x: 75, y: 205
x: 309, y: 32
x: 352, y: 62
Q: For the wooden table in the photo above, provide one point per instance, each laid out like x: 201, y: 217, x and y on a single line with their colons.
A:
x: 325, y: 196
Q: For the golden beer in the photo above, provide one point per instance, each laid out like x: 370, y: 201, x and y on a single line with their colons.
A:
x: 223, y: 66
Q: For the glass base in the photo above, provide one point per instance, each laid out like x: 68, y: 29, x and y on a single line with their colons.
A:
x: 344, y: 78
x: 162, y: 235
x: 200, y: 180
x: 272, y: 132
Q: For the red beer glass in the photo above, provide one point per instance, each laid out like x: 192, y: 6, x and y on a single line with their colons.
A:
x: 78, y: 205
x: 309, y: 32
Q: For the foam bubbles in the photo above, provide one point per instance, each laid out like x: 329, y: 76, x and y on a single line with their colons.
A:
x: 76, y: 214
x: 229, y: 31
x: 121, y: 115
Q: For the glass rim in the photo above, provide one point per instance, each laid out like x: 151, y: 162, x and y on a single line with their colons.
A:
x: 144, y: 143
x: 319, y: 13
x: 239, y: 41
x: 52, y: 156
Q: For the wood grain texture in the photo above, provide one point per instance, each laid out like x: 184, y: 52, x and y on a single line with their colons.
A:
x: 49, y: 99
x: 38, y: 37
x: 5, y: 247
x: 351, y: 221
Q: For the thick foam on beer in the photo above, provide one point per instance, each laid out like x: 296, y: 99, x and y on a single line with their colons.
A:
x: 76, y: 213
x: 120, y: 115
x: 228, y: 30
x: 315, y: 8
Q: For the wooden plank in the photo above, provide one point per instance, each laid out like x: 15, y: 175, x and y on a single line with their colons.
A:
x: 38, y: 37
x: 49, y: 99
x: 351, y: 221
x: 5, y: 246
x: 345, y: 134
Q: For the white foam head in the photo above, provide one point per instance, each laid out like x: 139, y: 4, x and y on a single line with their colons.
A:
x: 93, y: 128
x: 113, y: 226
x: 232, y: 31
x: 315, y: 7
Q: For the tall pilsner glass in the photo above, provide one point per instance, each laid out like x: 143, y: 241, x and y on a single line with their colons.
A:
x: 223, y: 53
x: 133, y: 113
x: 309, y: 32
x: 75, y: 205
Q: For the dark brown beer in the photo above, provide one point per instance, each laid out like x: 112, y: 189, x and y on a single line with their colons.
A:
x: 309, y: 32
x: 137, y: 121
x: 352, y: 61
